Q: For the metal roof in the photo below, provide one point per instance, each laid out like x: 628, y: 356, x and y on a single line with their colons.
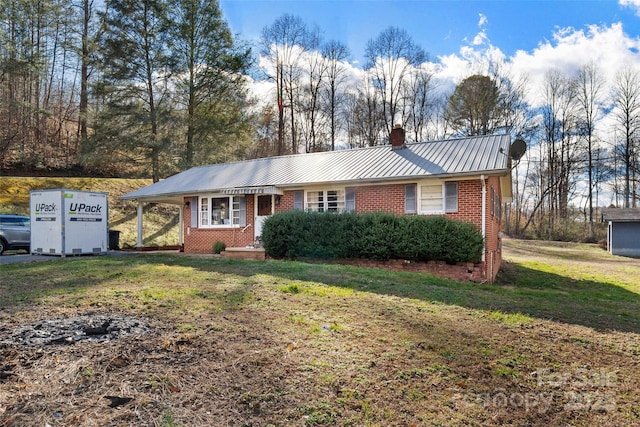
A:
x: 443, y: 158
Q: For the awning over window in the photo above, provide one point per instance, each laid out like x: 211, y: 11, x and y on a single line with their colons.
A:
x: 253, y: 190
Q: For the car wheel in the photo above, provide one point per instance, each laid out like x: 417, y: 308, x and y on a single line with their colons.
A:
x: 3, y: 246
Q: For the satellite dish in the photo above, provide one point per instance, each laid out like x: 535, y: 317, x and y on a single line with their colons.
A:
x: 517, y: 149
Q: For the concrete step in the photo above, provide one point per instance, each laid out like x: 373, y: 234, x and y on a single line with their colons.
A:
x: 257, y: 254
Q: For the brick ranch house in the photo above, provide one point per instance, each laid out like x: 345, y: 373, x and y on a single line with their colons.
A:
x: 467, y: 179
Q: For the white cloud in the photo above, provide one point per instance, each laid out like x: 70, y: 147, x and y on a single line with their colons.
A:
x: 483, y: 21
x: 609, y: 47
x: 264, y: 92
x: 633, y: 4
x: 480, y: 38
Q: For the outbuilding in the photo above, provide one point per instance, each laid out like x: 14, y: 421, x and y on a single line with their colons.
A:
x: 467, y: 179
x: 623, y: 231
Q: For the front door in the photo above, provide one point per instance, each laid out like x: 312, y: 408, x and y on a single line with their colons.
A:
x: 264, y: 208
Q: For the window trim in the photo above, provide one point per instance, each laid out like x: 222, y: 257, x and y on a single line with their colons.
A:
x: 232, y: 202
x: 325, y: 200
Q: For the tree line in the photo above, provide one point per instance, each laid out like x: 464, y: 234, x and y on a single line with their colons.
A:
x: 151, y: 87
x: 132, y: 88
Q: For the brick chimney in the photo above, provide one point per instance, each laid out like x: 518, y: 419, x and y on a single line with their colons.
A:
x: 397, y: 137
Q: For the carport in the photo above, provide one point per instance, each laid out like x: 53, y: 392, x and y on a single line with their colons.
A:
x: 623, y: 231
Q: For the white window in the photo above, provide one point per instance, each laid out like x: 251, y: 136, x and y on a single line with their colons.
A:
x: 326, y: 201
x: 431, y: 198
x: 437, y: 198
x: 221, y: 211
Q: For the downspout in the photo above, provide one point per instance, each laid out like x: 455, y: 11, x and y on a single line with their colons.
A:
x: 484, y: 217
x: 181, y: 227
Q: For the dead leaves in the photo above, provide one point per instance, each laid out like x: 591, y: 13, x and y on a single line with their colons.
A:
x: 180, y: 343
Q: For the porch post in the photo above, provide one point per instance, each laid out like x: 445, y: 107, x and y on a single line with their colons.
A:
x: 139, y: 238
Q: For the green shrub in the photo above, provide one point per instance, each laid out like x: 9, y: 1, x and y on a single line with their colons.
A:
x: 219, y: 247
x: 283, y: 233
x: 379, y: 235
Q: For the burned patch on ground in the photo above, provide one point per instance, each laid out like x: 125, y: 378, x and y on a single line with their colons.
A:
x: 70, y: 330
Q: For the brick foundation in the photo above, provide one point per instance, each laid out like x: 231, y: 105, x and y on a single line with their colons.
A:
x: 460, y: 272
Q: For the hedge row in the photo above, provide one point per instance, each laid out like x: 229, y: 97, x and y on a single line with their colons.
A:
x: 379, y: 236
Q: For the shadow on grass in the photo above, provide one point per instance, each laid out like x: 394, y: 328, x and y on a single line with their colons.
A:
x: 521, y: 290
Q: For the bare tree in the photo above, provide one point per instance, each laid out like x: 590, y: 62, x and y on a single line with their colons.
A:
x: 86, y: 52
x: 517, y: 117
x: 558, y: 127
x: 589, y: 89
x: 33, y: 50
x: 420, y: 99
x: 336, y: 53
x: 390, y: 59
x: 626, y: 97
x: 364, y: 117
x: 310, y: 102
x: 284, y: 42
x: 266, y: 134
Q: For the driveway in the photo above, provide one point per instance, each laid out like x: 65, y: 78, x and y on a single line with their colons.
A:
x: 13, y: 257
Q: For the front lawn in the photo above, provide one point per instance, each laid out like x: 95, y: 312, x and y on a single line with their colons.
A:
x: 247, y: 343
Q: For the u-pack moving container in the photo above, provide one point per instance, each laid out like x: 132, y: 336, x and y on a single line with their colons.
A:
x: 69, y: 222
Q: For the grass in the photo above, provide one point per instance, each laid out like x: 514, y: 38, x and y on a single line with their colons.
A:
x: 160, y: 221
x: 290, y: 343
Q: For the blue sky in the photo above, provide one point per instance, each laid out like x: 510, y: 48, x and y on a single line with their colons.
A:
x: 440, y: 27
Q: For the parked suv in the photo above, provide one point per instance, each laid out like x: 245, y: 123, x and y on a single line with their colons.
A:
x: 15, y: 232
